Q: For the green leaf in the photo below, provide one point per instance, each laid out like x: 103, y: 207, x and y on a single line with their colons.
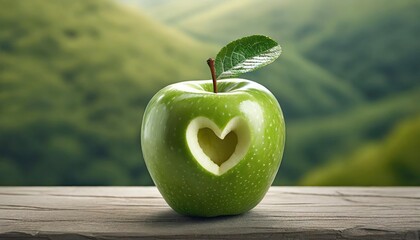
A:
x: 245, y: 55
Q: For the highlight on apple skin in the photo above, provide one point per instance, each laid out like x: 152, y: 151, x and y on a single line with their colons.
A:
x: 212, y: 154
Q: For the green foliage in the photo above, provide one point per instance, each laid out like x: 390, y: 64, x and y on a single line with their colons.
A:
x: 75, y: 77
x: 391, y: 161
x: 245, y: 55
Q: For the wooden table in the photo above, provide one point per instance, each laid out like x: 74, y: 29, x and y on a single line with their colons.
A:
x: 140, y: 212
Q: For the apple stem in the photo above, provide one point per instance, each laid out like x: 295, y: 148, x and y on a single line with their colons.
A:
x: 210, y: 62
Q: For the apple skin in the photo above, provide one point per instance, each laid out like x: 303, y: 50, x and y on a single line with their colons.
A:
x: 185, y: 185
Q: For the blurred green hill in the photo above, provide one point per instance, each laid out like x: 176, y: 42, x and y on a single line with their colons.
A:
x: 368, y: 49
x: 76, y: 75
x: 391, y: 161
x: 321, y: 141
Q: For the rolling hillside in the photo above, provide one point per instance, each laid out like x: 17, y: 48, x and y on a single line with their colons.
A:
x: 75, y: 77
x: 392, y: 161
x: 316, y: 142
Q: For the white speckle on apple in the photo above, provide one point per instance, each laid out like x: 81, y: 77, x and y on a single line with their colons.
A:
x: 253, y: 112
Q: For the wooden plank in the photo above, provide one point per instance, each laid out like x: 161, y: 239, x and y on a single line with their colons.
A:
x: 140, y: 212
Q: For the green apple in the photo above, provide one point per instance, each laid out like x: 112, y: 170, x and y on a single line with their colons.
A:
x: 213, y: 154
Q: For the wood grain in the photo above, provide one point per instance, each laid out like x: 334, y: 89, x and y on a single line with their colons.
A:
x: 140, y: 212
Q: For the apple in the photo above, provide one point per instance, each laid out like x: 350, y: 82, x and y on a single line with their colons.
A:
x: 213, y: 154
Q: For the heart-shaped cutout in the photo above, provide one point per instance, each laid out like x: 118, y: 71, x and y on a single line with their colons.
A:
x: 218, y: 150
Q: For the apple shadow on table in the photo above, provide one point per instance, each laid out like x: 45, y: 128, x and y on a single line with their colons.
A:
x: 170, y: 218
x: 169, y: 215
x: 167, y: 222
